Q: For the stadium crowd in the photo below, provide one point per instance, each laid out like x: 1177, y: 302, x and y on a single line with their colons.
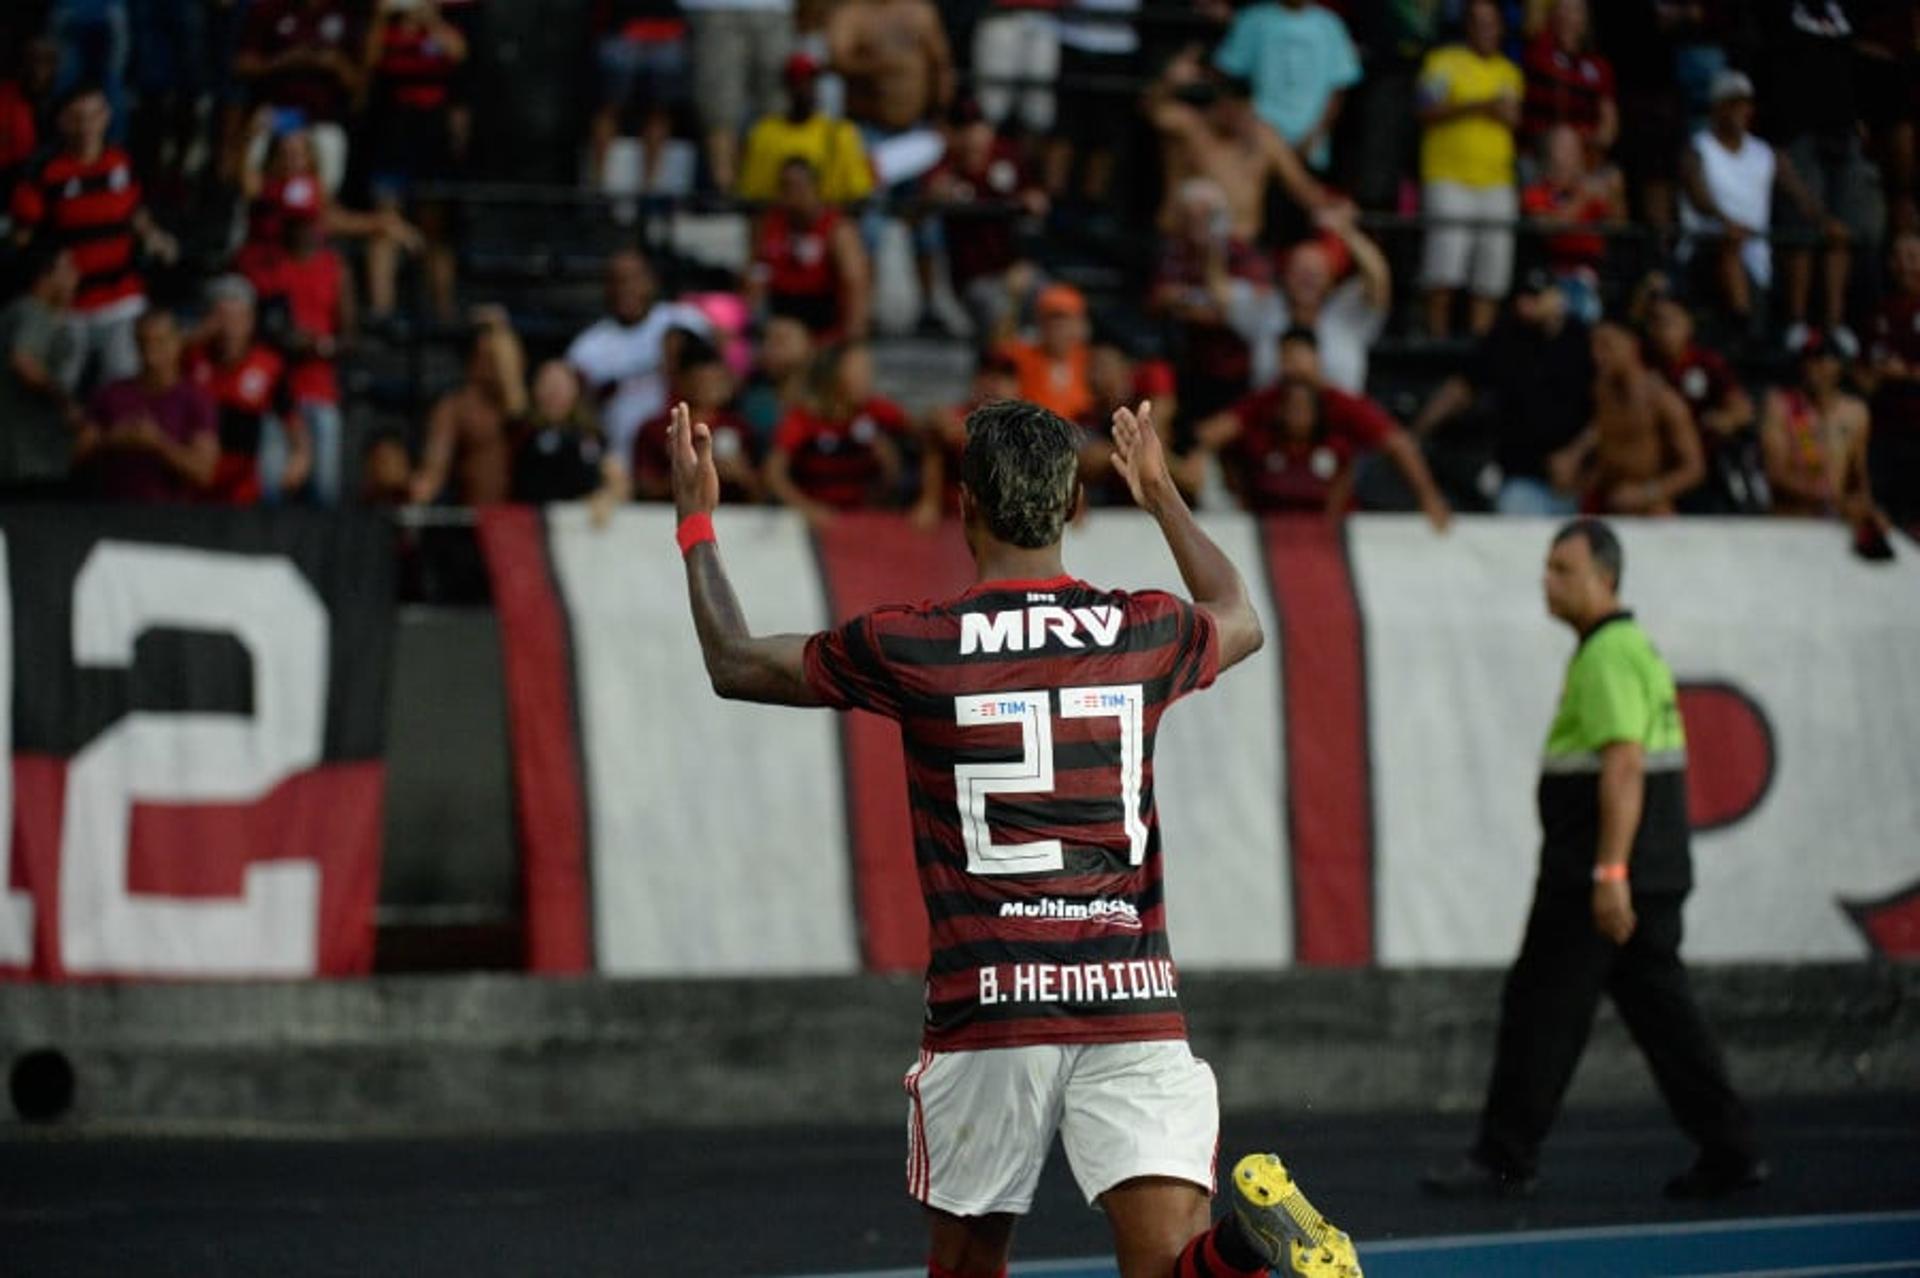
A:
x: 1664, y: 254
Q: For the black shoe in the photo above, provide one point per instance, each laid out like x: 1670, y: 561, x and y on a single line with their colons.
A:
x: 1717, y: 1177
x: 1471, y: 1178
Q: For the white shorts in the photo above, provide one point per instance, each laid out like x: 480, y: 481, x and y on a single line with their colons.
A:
x: 980, y: 1123
x: 1478, y: 255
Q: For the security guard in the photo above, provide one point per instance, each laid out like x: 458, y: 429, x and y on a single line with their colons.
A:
x: 1614, y: 870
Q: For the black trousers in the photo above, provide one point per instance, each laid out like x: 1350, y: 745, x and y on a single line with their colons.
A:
x: 1547, y: 1010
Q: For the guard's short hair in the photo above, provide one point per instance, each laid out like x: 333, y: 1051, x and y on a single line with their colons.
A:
x: 1021, y: 465
x: 1604, y: 546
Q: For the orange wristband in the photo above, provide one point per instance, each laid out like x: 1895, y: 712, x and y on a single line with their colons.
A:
x: 694, y: 530
x: 1609, y: 874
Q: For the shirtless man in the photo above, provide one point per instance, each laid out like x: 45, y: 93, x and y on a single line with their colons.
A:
x: 1640, y: 452
x: 1213, y: 132
x: 1814, y: 438
x: 894, y: 56
x: 467, y: 433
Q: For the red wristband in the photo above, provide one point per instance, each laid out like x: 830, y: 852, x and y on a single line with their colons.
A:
x: 694, y: 530
x: 1609, y: 874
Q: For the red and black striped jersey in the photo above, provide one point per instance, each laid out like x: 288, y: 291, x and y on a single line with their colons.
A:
x: 836, y: 460
x: 1028, y: 712
x: 415, y: 71
x: 87, y: 208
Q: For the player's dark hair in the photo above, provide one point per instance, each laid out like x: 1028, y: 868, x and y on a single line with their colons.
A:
x: 1604, y: 546
x: 1020, y: 466
x: 1300, y: 333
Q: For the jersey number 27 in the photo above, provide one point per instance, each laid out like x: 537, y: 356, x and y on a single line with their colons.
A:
x: 1032, y: 772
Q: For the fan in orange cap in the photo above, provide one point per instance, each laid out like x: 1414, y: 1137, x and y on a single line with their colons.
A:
x: 1053, y: 368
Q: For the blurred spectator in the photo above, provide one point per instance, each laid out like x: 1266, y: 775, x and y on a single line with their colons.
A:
x: 307, y: 303
x: 1531, y: 381
x: 467, y: 438
x: 778, y: 379
x: 1729, y: 177
x: 622, y: 358
x: 984, y: 192
x: 1571, y: 194
x: 19, y: 134
x: 561, y: 454
x: 37, y: 337
x: 302, y: 60
x: 1052, y: 369
x: 899, y: 76
x: 805, y: 132
x: 151, y: 437
x: 1117, y: 380
x: 86, y: 199
x: 738, y: 48
x: 1813, y: 116
x: 811, y: 19
x: 93, y: 38
x: 705, y: 384
x: 1889, y: 70
x: 1213, y: 133
x: 641, y: 49
x: 1640, y: 455
x: 1301, y: 62
x: 1204, y: 282
x: 1816, y: 437
x: 1469, y: 106
x: 414, y: 58
x: 170, y: 72
x: 943, y: 438
x: 1099, y: 53
x: 1294, y: 447
x: 265, y: 452
x: 1721, y: 409
x: 1352, y: 426
x: 808, y: 262
x: 1346, y: 315
x: 841, y: 450
x: 1018, y: 41
x: 285, y: 184
x: 1892, y: 374
x: 1568, y: 83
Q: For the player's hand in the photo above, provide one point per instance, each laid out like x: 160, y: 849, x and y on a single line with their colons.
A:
x: 1138, y: 456
x: 696, y: 483
x: 1613, y: 914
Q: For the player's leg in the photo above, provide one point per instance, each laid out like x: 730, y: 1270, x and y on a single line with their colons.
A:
x: 1154, y: 1220
x: 1141, y: 1126
x: 968, y: 1246
x: 979, y: 1125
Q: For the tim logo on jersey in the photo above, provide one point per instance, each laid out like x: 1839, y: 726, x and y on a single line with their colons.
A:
x: 1031, y: 629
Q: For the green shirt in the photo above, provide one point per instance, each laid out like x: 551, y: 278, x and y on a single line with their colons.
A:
x: 1617, y: 689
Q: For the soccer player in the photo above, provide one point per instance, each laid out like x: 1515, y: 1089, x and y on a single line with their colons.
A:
x: 1028, y: 707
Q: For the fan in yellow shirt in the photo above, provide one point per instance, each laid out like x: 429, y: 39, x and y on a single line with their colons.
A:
x: 831, y: 146
x: 1469, y: 105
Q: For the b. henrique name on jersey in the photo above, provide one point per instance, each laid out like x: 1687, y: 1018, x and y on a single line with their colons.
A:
x: 1028, y: 712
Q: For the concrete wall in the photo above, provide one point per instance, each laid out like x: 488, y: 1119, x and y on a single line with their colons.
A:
x: 504, y: 1052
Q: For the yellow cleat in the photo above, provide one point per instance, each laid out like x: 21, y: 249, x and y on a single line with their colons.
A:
x: 1276, y: 1216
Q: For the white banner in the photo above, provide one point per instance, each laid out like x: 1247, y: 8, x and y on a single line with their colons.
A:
x: 1464, y: 667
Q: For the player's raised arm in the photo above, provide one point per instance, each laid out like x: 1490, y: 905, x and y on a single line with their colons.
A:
x: 743, y: 668
x: 1211, y: 578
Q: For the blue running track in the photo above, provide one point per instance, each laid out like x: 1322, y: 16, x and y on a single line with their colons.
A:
x: 1879, y: 1244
